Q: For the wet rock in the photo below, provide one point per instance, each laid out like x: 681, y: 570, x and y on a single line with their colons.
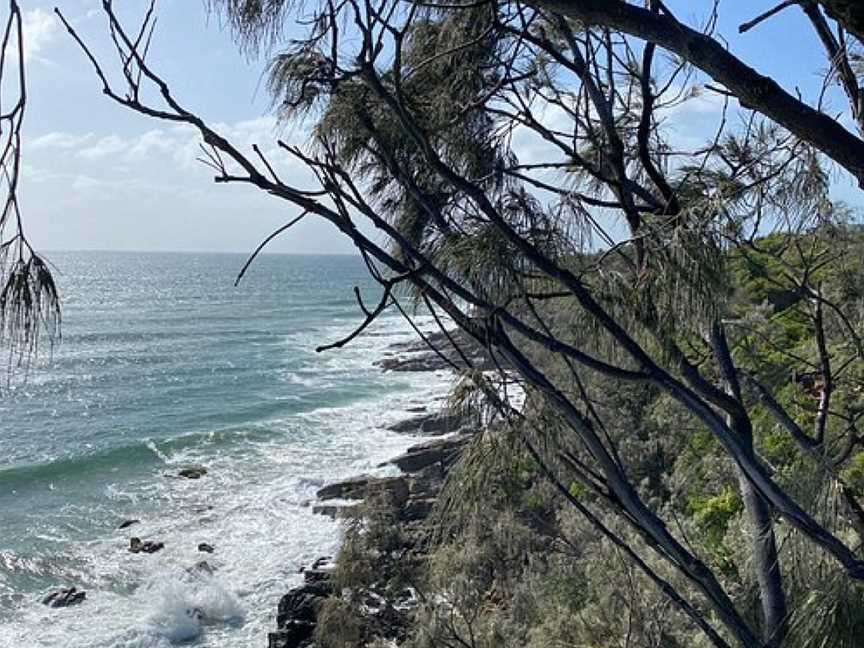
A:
x: 364, y: 486
x: 302, y: 603
x: 201, y: 568
x: 125, y: 524
x: 418, y: 409
x: 417, y: 356
x: 295, y: 634
x: 64, y: 597
x: 192, y: 472
x: 321, y: 571
x: 196, y: 613
x: 333, y: 511
x: 441, y: 451
x: 206, y: 548
x: 136, y: 545
x: 297, y: 614
x: 429, y: 424
x: 431, y: 362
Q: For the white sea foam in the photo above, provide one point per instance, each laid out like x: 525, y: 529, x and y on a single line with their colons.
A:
x: 252, y: 506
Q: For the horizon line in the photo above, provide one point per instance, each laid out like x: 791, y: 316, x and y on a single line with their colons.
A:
x: 151, y: 251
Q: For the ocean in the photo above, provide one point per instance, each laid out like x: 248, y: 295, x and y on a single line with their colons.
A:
x: 165, y: 364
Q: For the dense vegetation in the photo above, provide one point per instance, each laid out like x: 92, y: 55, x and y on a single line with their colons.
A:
x: 508, y: 561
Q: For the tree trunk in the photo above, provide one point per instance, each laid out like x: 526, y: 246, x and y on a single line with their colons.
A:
x: 849, y: 13
x: 765, y: 562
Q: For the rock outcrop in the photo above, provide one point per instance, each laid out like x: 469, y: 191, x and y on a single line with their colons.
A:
x: 411, y: 496
x: 297, y: 614
x: 430, y: 424
x: 442, y: 452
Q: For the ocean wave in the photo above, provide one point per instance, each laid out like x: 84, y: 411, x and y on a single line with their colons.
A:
x: 145, y: 452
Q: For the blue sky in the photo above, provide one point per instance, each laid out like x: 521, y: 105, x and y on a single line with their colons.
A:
x: 100, y: 177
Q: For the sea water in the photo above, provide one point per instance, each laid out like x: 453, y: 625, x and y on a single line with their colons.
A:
x: 165, y: 364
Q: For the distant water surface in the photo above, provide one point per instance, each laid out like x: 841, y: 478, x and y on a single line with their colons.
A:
x: 165, y: 364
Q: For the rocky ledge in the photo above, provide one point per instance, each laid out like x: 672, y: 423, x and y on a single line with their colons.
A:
x: 419, y: 355
x: 411, y: 495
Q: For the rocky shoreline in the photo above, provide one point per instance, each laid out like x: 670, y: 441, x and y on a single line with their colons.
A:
x: 410, y: 497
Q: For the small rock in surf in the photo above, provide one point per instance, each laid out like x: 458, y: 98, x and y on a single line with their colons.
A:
x: 64, y: 597
x: 136, y: 545
x: 193, y: 472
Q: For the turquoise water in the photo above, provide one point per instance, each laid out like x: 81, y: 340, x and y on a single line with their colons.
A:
x: 164, y: 364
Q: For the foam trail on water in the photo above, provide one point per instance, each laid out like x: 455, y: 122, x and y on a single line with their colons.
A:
x: 305, y: 420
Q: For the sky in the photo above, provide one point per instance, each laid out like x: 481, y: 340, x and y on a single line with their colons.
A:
x: 97, y: 176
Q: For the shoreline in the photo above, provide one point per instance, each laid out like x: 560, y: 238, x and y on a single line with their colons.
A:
x: 411, y: 495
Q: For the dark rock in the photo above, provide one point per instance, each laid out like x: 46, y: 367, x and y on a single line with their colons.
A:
x: 192, y: 472
x: 301, y: 603
x: 426, y: 482
x: 333, y: 511
x: 440, y: 451
x: 125, y: 524
x: 319, y: 572
x: 196, y: 613
x: 431, y: 362
x: 419, y: 409
x: 147, y: 546
x: 386, y: 621
x: 64, y: 597
x: 206, y: 548
x: 201, y: 568
x: 429, y: 424
x: 417, y: 356
x: 416, y: 509
x: 295, y: 634
x: 396, y: 488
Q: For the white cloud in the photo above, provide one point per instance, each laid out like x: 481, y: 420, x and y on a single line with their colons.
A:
x: 40, y: 29
x: 59, y: 141
x: 107, y: 146
x: 116, y: 191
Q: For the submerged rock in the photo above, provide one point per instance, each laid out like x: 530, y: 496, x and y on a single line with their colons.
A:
x: 64, y: 597
x: 192, y: 472
x: 136, y: 545
x: 206, y: 548
x: 201, y: 568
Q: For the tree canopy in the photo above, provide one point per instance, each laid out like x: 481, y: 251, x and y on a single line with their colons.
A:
x: 684, y: 321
